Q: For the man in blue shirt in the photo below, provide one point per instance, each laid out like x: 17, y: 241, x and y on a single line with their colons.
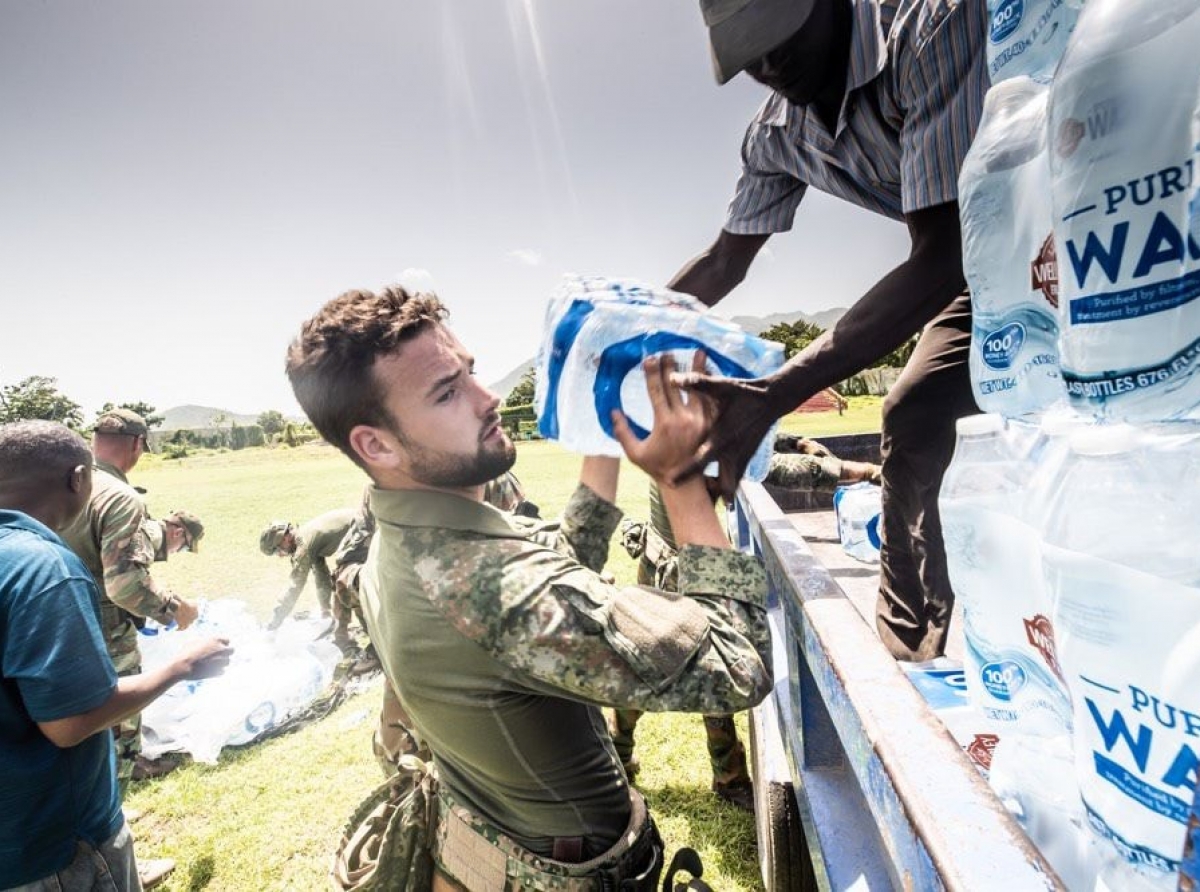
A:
x: 61, y: 826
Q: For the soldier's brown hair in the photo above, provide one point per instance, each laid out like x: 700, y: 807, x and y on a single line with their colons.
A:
x: 330, y: 363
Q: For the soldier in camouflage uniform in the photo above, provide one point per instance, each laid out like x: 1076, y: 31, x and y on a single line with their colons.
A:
x: 110, y: 538
x: 797, y: 464
x: 178, y: 531
x: 498, y: 632
x: 395, y: 736
x: 309, y: 547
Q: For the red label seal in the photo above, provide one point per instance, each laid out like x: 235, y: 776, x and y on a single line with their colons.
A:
x: 1041, y: 636
x: 981, y: 748
x: 1043, y: 271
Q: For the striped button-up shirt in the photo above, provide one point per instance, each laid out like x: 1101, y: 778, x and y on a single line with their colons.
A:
x: 915, y: 88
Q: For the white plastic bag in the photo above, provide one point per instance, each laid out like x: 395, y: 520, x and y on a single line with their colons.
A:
x: 269, y: 678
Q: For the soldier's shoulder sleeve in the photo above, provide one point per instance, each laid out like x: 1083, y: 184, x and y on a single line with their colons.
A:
x: 586, y: 528
x: 118, y: 517
x: 127, y: 579
x: 301, y: 564
x: 563, y: 629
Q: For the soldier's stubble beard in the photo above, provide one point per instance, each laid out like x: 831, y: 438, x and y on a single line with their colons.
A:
x: 455, y: 470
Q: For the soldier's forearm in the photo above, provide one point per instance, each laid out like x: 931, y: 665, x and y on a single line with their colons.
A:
x: 138, y: 594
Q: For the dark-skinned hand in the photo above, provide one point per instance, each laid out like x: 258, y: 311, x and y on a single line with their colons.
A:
x: 745, y: 412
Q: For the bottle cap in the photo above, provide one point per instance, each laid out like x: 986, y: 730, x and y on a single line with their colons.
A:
x: 977, y: 425
x: 1060, y: 424
x: 1104, y: 440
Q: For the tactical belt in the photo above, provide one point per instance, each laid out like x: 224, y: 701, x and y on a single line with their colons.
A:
x: 482, y: 859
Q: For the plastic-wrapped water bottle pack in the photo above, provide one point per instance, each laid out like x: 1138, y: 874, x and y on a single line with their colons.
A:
x: 597, y: 333
x: 1008, y: 254
x: 1123, y: 155
x: 1027, y: 37
x: 1074, y: 558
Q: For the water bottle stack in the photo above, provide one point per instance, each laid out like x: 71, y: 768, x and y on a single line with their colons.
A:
x: 597, y: 333
x: 1073, y: 552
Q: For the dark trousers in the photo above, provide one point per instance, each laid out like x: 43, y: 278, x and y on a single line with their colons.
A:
x: 934, y: 390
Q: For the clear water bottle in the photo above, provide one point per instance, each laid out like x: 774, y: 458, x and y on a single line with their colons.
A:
x: 1048, y: 454
x: 991, y: 556
x: 1027, y: 37
x: 1008, y: 254
x: 1122, y: 167
x: 1123, y: 569
x: 858, y: 509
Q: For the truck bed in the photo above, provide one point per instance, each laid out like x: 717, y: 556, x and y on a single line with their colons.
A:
x: 859, y: 581
x: 858, y: 783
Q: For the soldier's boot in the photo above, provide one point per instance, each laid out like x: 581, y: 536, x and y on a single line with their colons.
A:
x: 731, y: 778
x: 153, y: 871
x: 144, y: 769
x: 621, y: 727
x: 367, y: 662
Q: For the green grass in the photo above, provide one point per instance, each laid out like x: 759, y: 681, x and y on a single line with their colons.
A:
x: 861, y: 416
x: 268, y: 816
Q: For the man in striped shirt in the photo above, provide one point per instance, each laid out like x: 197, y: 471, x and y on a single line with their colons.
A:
x: 876, y: 102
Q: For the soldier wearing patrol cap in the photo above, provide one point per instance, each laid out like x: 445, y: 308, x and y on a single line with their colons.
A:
x: 178, y: 531
x: 309, y: 547
x: 111, y: 539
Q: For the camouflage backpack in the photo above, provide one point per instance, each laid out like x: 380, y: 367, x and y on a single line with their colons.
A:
x: 387, y: 843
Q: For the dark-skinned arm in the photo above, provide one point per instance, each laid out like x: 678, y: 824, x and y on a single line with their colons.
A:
x: 134, y: 693
x: 718, y: 269
x: 896, y: 308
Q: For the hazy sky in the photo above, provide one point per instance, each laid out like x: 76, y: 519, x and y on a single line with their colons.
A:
x: 182, y: 183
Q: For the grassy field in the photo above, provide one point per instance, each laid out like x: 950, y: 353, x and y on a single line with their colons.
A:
x: 861, y: 416
x: 269, y: 815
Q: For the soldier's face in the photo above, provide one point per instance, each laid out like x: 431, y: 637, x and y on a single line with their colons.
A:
x: 447, y: 428
x: 177, y: 537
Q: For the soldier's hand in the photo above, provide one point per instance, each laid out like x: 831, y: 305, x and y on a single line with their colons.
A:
x: 680, y: 424
x: 205, y: 659
x: 185, y: 613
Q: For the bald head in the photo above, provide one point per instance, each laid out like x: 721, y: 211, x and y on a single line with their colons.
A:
x: 45, y: 471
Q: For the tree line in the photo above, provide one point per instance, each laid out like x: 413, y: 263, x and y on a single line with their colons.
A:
x: 38, y: 397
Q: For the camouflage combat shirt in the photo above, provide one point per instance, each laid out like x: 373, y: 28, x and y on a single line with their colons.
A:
x: 157, y: 534
x: 315, y: 541
x: 502, y: 641
x: 115, y: 547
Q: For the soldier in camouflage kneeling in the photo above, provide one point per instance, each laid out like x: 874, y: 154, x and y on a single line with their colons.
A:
x: 498, y: 632
x: 797, y: 464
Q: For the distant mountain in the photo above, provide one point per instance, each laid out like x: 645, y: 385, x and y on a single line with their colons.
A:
x: 502, y: 387
x: 758, y: 324
x: 193, y: 417
x: 752, y: 324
